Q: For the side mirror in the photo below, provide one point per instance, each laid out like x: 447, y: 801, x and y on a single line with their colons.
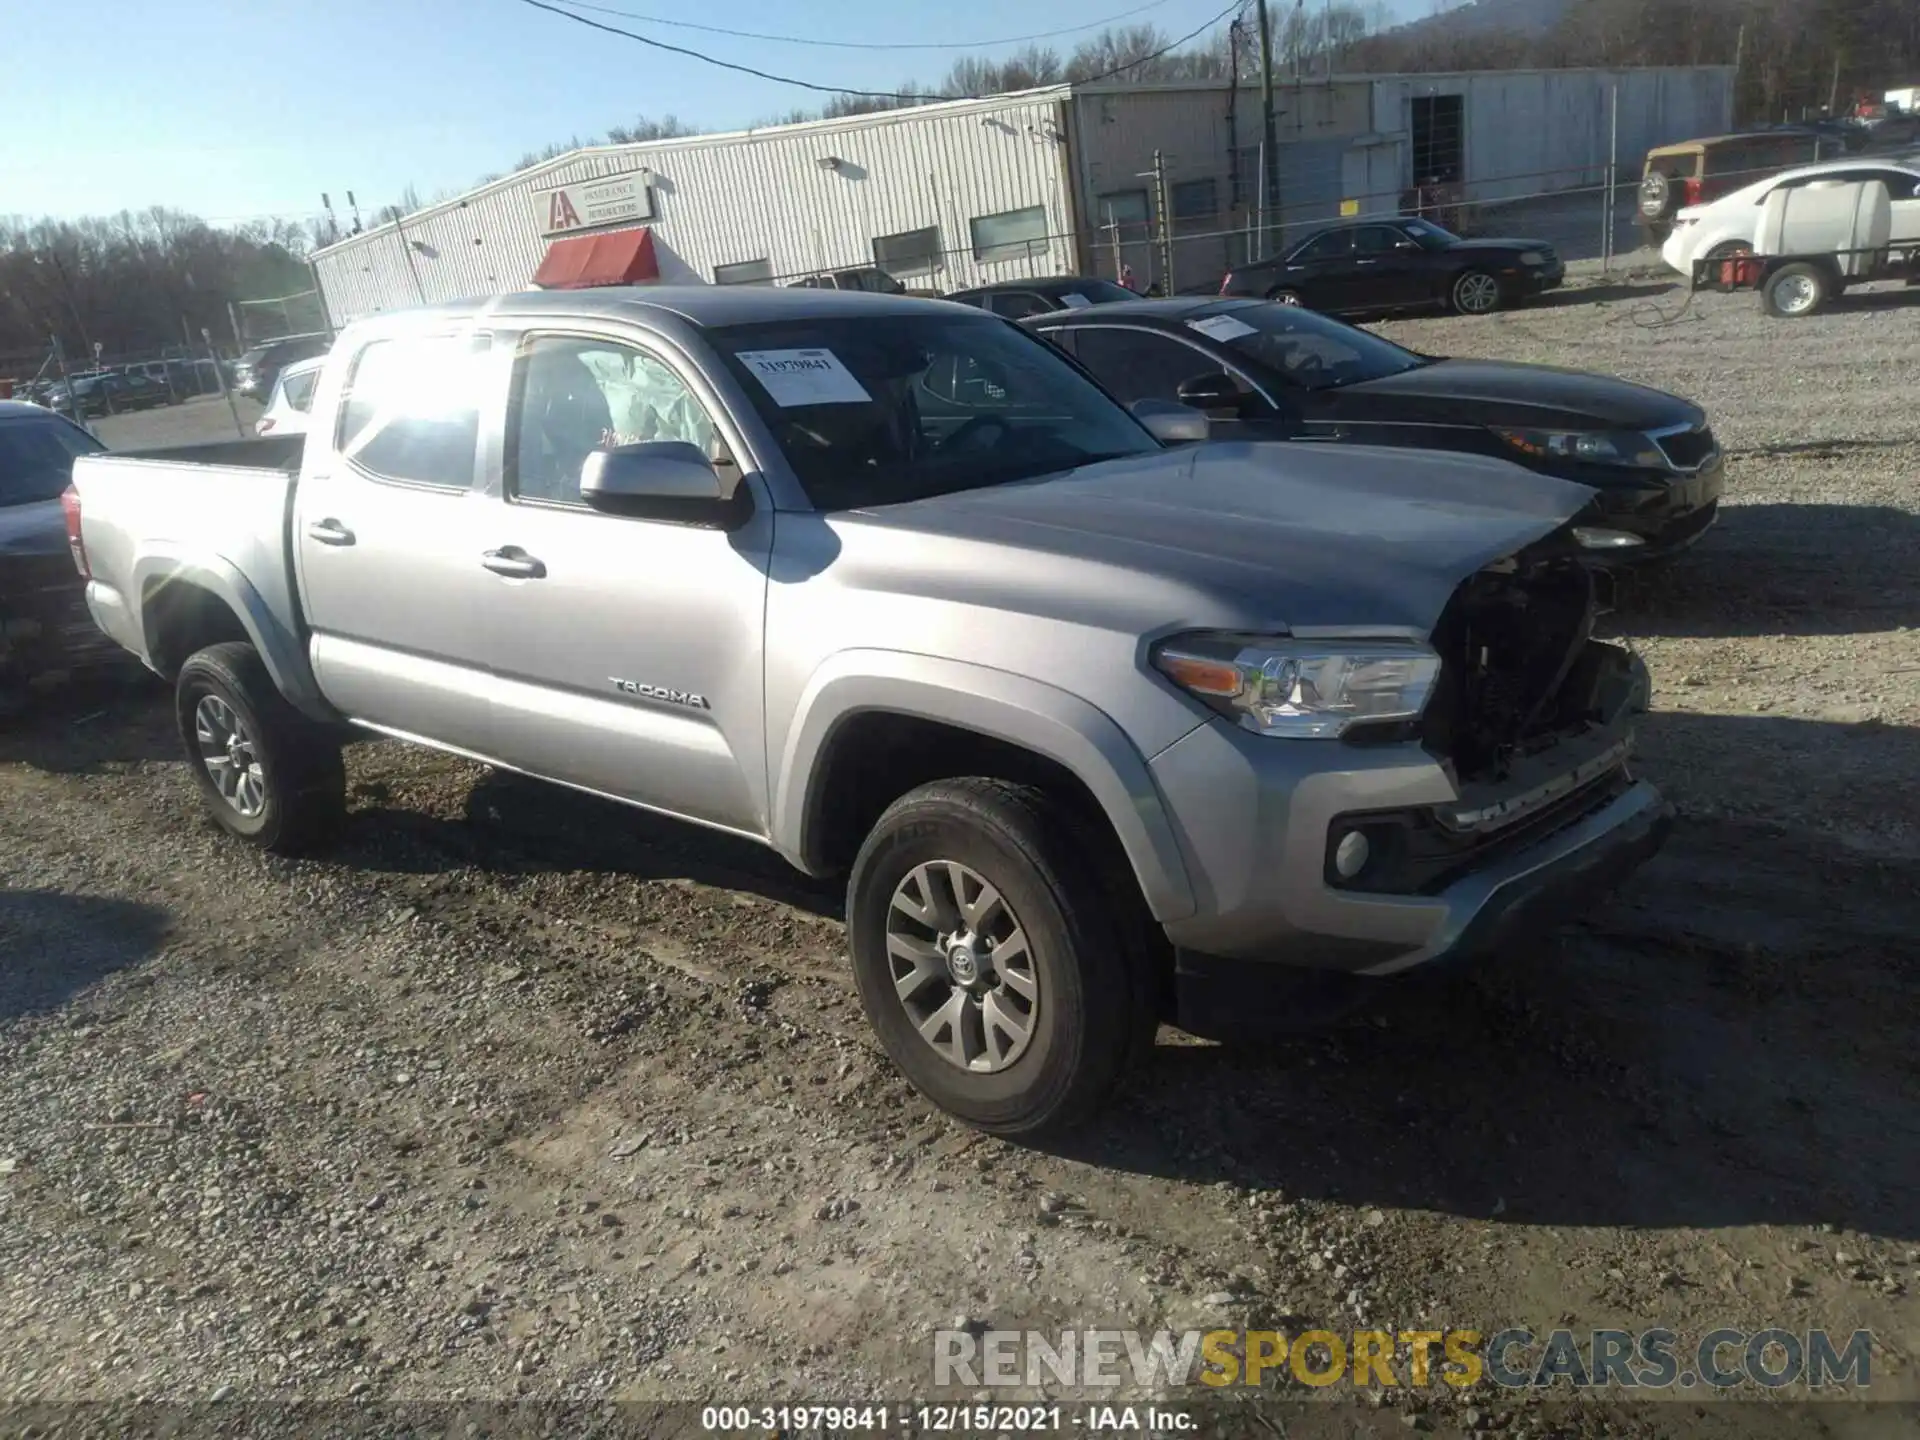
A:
x: 1170, y: 423
x: 660, y: 480
x: 1215, y: 393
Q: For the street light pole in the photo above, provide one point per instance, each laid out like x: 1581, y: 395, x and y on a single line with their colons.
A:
x: 1267, y: 158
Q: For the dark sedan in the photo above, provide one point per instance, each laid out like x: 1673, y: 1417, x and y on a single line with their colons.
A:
x: 1268, y: 371
x: 1017, y: 299
x: 44, y: 625
x: 1376, y: 266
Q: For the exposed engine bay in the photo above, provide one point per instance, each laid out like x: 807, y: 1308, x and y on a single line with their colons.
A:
x: 1520, y: 669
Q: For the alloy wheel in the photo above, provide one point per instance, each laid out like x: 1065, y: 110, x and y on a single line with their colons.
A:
x: 962, y: 967
x: 231, y: 757
x: 1477, y: 294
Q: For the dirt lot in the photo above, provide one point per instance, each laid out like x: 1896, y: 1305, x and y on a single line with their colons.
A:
x: 517, y: 1093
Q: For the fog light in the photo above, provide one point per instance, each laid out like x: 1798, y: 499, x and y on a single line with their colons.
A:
x: 1593, y: 537
x: 1351, y: 854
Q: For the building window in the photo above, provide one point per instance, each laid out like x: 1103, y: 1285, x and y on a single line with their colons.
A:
x: 744, y: 272
x: 1010, y: 235
x: 911, y: 252
x: 1125, y: 209
x: 1195, y: 200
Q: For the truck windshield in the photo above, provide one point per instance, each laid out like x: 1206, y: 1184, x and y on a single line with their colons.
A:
x: 36, y: 458
x: 881, y: 409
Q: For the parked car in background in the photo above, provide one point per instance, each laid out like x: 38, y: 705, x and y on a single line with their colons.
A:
x: 1693, y: 172
x: 140, y: 390
x: 255, y: 371
x: 1278, y: 372
x: 292, y: 399
x: 869, y: 278
x: 1373, y: 267
x: 1017, y: 299
x: 1728, y: 226
x: 45, y: 629
x: 1098, y: 731
x: 96, y: 392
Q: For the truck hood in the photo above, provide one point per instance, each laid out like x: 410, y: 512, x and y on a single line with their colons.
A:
x: 36, y: 528
x: 1267, y: 535
x: 1501, y: 392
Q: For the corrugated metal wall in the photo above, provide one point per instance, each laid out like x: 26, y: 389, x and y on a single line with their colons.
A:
x: 1117, y: 130
x: 757, y: 195
x: 1537, y: 131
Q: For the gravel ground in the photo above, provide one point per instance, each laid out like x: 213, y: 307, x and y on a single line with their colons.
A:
x: 514, y: 1093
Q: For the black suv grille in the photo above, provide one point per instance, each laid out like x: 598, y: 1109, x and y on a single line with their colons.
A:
x: 1688, y: 450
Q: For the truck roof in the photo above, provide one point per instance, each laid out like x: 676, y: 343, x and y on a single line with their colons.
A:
x: 704, y: 305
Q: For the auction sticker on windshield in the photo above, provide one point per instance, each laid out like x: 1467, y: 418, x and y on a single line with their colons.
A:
x: 1222, y: 328
x: 1075, y: 302
x: 804, y: 377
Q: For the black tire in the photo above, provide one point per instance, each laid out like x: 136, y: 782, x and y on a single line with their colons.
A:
x: 1286, y: 295
x: 1465, y: 295
x: 302, y: 781
x: 1796, y: 291
x: 1094, y: 999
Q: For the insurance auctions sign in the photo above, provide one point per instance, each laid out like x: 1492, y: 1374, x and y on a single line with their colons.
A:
x: 590, y: 204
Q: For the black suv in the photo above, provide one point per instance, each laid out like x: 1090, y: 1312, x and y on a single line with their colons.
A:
x: 255, y: 371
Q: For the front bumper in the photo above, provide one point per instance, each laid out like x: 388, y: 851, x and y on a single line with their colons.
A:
x: 1538, y: 279
x: 1669, y: 513
x: 1264, y: 810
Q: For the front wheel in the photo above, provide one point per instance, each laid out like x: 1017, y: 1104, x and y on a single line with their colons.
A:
x: 267, y: 774
x: 1475, y: 293
x: 988, y: 957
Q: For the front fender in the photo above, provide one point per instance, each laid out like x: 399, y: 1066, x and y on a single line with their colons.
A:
x: 1011, y: 708
x: 270, y: 632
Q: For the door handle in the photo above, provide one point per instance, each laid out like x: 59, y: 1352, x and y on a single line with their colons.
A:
x: 514, y: 563
x: 1366, y: 262
x: 330, y: 532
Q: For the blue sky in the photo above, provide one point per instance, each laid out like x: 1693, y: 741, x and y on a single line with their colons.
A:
x: 238, y: 108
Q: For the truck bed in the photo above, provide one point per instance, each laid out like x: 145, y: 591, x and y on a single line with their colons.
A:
x: 214, y: 516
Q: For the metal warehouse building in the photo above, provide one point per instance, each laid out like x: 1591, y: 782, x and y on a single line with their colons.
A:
x: 1040, y: 182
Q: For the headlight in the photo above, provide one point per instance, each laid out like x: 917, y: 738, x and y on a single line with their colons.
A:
x: 1303, y: 690
x: 1595, y: 537
x: 1532, y: 257
x: 1593, y: 447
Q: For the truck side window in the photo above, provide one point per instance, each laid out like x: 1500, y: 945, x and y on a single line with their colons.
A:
x: 574, y: 396
x: 412, y: 410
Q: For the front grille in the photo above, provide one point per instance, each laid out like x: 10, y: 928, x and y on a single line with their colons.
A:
x: 1688, y: 450
x: 1509, y: 645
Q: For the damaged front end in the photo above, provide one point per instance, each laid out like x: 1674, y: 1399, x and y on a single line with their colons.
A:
x: 1532, y: 719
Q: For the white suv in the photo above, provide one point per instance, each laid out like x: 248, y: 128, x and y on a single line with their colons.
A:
x: 1727, y: 226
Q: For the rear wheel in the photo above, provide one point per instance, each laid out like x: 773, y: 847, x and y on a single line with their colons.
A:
x: 267, y: 774
x: 1475, y: 293
x: 989, y: 959
x: 1795, y: 290
x: 1285, y: 296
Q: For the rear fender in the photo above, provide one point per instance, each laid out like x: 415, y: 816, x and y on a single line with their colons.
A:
x: 161, y: 568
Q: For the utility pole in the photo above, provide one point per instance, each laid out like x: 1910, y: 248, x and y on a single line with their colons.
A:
x: 1833, y: 91
x: 1268, y: 190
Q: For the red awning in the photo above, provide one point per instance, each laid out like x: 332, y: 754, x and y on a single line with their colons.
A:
x: 580, y: 262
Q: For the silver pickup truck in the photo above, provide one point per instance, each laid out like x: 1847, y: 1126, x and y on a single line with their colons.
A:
x: 1104, y: 728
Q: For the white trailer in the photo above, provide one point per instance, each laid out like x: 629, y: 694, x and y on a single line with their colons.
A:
x: 1813, y: 242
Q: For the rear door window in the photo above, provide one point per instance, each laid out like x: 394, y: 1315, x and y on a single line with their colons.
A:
x: 412, y: 410
x: 1334, y: 245
x: 1139, y: 364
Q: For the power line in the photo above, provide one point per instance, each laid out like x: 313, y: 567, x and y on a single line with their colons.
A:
x: 867, y: 44
x: 915, y: 97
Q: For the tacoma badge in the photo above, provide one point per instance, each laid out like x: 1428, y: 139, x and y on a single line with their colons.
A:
x: 660, y: 692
